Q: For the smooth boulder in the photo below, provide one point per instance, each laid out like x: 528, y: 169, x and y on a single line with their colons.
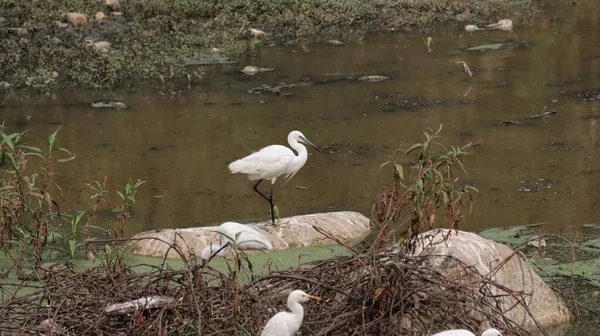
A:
x: 293, y: 232
x: 514, y: 273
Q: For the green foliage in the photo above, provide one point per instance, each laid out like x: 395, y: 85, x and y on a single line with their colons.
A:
x: 29, y: 212
x: 430, y: 186
x: 27, y: 203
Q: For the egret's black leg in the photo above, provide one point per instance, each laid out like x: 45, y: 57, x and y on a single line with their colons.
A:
x: 272, y: 205
x: 269, y: 199
x: 258, y: 191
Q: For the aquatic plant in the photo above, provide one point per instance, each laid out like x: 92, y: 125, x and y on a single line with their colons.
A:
x: 30, y: 216
x: 430, y: 186
x: 28, y: 195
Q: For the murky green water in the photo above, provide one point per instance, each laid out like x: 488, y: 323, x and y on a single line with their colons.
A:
x: 182, y: 141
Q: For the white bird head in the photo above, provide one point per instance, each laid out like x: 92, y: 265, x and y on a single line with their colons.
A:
x: 491, y: 332
x: 297, y: 136
x: 300, y: 296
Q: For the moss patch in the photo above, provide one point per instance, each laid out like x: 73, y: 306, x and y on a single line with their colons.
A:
x: 157, y: 39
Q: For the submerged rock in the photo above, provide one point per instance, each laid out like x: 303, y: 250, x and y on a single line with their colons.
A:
x: 109, y: 104
x: 587, y: 94
x: 534, y: 301
x: 373, y: 78
x: 294, y: 232
x: 335, y: 43
x: 251, y: 70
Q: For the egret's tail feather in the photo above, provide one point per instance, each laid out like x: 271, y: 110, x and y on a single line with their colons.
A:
x: 236, y: 166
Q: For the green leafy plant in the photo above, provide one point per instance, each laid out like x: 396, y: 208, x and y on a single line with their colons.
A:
x: 128, y: 199
x: 28, y: 207
x: 431, y: 185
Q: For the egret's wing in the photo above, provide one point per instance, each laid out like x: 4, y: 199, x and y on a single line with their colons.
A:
x: 269, y: 162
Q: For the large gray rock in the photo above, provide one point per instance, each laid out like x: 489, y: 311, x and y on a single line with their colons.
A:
x: 294, y: 232
x: 484, y: 255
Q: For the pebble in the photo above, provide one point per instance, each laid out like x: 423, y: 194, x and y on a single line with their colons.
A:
x: 256, y: 32
x: 59, y: 24
x: 100, y: 16
x: 89, y: 256
x: 114, y: 5
x: 77, y: 19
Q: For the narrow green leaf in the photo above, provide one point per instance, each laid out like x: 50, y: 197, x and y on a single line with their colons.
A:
x: 400, y: 170
x: 35, y: 149
x: 413, y: 147
x: 384, y: 164
x: 72, y: 246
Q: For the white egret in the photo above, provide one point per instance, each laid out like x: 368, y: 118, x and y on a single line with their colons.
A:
x: 273, y: 161
x: 286, y: 323
x: 239, y: 235
x: 462, y: 332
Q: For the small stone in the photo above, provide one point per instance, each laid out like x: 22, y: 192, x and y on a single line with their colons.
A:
x: 19, y: 31
x: 250, y: 70
x: 100, y: 16
x: 54, y: 74
x: 114, y: 5
x: 116, y: 13
x: 102, y: 45
x: 89, y: 256
x: 59, y: 24
x: 77, y: 19
x: 256, y: 32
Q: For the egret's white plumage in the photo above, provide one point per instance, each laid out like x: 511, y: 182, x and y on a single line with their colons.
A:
x: 272, y: 162
x: 240, y: 235
x: 288, y: 323
x: 463, y: 332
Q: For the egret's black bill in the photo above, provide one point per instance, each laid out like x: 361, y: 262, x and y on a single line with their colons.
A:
x: 305, y: 140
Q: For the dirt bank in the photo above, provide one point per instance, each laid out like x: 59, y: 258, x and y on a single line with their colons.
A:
x: 159, y: 40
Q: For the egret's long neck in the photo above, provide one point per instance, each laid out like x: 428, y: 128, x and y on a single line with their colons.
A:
x: 297, y: 311
x: 302, y: 152
x: 223, y: 251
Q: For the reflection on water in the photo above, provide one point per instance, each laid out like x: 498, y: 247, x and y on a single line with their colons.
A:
x: 181, y: 142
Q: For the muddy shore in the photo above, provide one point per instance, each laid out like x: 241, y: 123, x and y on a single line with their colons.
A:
x: 154, y: 40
